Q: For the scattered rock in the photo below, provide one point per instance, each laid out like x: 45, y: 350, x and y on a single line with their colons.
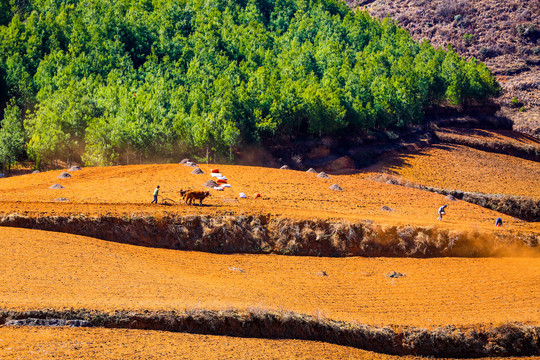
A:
x: 395, y: 274
x: 232, y: 268
x: 322, y: 273
x: 62, y: 199
x: 49, y: 322
x: 191, y: 164
x: 211, y: 184
x: 36, y: 172
x: 75, y: 168
x: 185, y: 161
x: 323, y: 175
x: 56, y: 186
x: 312, y: 170
x: 336, y: 187
x: 285, y: 167
x: 451, y: 197
x: 64, y: 175
x: 386, y: 208
x: 197, y: 171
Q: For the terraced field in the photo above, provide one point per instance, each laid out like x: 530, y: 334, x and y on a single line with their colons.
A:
x: 52, y: 270
x: 64, y: 343
x: 464, y: 168
x: 60, y: 271
x: 127, y: 191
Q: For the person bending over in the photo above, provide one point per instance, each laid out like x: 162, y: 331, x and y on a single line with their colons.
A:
x: 441, y: 212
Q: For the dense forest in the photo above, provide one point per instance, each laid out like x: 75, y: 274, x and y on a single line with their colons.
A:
x: 120, y: 81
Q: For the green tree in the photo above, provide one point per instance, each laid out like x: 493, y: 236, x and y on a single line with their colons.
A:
x: 12, y: 146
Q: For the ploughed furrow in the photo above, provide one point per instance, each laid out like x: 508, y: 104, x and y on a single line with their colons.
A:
x: 60, y: 271
x: 83, y: 343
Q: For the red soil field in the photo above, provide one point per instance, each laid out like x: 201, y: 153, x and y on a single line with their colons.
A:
x: 127, y: 190
x: 493, y: 136
x: 52, y: 270
x: 80, y: 343
x: 467, y: 169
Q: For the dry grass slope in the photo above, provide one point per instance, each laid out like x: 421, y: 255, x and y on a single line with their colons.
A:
x: 503, y: 33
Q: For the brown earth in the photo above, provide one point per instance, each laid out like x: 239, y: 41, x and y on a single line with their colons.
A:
x: 69, y: 343
x: 59, y: 271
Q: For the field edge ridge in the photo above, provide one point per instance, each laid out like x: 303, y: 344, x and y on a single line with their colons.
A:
x: 510, y: 339
x: 265, y: 235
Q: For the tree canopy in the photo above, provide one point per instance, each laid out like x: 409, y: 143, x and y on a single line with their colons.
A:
x: 115, y: 82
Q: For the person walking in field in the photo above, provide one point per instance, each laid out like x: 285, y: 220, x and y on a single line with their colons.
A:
x: 498, y: 222
x: 156, y: 192
x: 441, y: 212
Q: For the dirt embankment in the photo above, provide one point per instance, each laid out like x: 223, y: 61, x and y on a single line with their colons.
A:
x: 525, y: 151
x: 447, y: 341
x: 261, y: 234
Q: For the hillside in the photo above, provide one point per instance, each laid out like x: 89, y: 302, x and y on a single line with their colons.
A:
x: 503, y: 34
x: 377, y: 273
x: 127, y: 82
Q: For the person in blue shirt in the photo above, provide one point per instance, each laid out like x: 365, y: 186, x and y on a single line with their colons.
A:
x: 441, y: 212
x: 498, y: 222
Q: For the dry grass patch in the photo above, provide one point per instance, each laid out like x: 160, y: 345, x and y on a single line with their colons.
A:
x: 50, y: 270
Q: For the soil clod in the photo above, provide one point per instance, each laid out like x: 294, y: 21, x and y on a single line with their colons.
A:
x: 62, y: 199
x: 312, y: 170
x: 395, y: 274
x: 197, y: 171
x: 64, y: 175
x: 285, y: 167
x: 336, y: 187
x: 56, y: 186
x: 75, y: 168
x: 386, y: 208
x: 36, y: 172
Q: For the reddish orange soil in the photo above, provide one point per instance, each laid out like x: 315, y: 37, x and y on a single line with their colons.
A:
x: 80, y: 343
x: 464, y: 168
x: 52, y: 270
x: 125, y: 191
x: 493, y: 136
